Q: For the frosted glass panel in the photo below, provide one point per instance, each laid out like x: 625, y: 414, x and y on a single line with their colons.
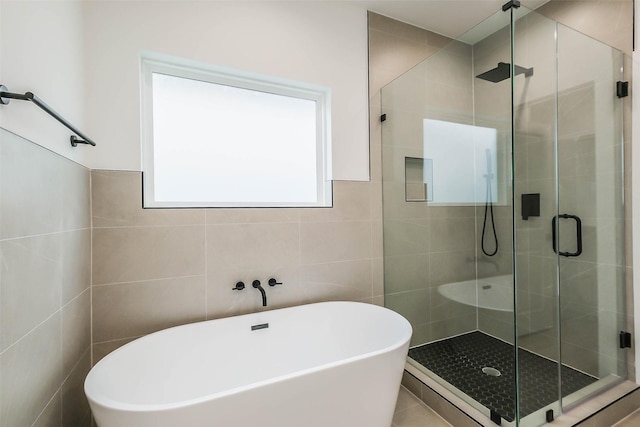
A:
x: 217, y: 143
x: 463, y: 159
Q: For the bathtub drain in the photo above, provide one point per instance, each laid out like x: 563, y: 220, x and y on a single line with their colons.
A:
x: 492, y: 372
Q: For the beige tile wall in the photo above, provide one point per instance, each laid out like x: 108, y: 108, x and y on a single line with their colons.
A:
x: 605, y: 20
x: 45, y: 295
x: 155, y: 268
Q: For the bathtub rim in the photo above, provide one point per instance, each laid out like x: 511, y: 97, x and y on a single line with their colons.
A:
x: 109, y: 403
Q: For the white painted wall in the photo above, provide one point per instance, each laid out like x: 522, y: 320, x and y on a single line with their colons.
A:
x: 316, y: 42
x: 41, y: 51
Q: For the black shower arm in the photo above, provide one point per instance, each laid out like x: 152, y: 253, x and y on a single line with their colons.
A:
x: 29, y: 96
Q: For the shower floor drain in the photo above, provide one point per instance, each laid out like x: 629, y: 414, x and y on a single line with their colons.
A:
x: 492, y: 372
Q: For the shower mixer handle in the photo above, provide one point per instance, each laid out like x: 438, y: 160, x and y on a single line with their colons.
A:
x: 273, y: 282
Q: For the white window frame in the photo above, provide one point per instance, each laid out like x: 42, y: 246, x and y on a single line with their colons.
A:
x: 157, y: 63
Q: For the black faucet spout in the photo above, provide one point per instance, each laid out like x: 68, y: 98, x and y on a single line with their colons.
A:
x: 256, y: 284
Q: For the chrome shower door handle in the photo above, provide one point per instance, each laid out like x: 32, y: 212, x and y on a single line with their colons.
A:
x: 578, y: 234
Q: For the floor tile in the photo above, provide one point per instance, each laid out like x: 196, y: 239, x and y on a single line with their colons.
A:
x: 412, y: 412
x: 632, y: 420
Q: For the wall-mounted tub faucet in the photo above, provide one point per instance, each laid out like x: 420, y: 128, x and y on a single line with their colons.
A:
x: 256, y: 284
x: 239, y: 286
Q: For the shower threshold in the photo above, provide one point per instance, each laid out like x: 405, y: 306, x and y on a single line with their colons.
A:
x: 482, y: 367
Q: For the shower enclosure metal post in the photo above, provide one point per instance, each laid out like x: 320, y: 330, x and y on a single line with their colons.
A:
x: 511, y: 6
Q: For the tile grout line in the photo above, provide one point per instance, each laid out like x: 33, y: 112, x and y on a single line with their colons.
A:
x: 52, y: 233
x: 146, y: 280
x: 30, y: 331
x: 58, y: 390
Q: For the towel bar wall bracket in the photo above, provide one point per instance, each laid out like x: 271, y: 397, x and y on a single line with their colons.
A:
x: 6, y: 97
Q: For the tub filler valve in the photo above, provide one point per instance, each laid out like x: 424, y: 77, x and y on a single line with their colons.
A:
x: 273, y: 282
x: 239, y: 286
x: 256, y: 284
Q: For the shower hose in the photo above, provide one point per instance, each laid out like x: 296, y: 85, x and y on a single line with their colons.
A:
x: 488, y: 212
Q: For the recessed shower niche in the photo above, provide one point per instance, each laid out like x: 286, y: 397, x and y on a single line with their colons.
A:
x: 520, y: 105
x: 418, y: 179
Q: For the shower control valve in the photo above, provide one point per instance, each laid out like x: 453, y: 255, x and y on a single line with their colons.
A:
x: 239, y: 286
x: 273, y: 282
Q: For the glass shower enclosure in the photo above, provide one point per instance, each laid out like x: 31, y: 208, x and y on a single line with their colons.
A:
x: 503, y: 196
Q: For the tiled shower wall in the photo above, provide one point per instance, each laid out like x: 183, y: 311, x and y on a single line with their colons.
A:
x: 155, y: 268
x: 45, y: 291
x: 612, y: 23
x: 396, y: 47
x: 425, y: 246
x: 589, y: 173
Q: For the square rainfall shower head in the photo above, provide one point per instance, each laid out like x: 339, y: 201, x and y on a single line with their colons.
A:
x: 503, y: 72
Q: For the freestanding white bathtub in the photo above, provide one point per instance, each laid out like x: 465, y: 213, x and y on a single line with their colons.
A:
x: 325, y: 364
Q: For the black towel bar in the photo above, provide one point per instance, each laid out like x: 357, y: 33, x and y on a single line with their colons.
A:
x: 6, y: 96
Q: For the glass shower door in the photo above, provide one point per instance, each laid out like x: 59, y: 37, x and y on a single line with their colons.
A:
x: 590, y: 224
x: 535, y: 195
x: 570, y: 262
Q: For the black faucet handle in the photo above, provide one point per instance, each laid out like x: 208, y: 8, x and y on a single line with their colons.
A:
x: 256, y: 283
x: 273, y: 282
x: 239, y: 286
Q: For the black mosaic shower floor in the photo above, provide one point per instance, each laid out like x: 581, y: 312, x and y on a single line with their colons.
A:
x: 459, y: 361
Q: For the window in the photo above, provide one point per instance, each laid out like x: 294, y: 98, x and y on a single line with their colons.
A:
x: 216, y: 137
x: 461, y: 163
